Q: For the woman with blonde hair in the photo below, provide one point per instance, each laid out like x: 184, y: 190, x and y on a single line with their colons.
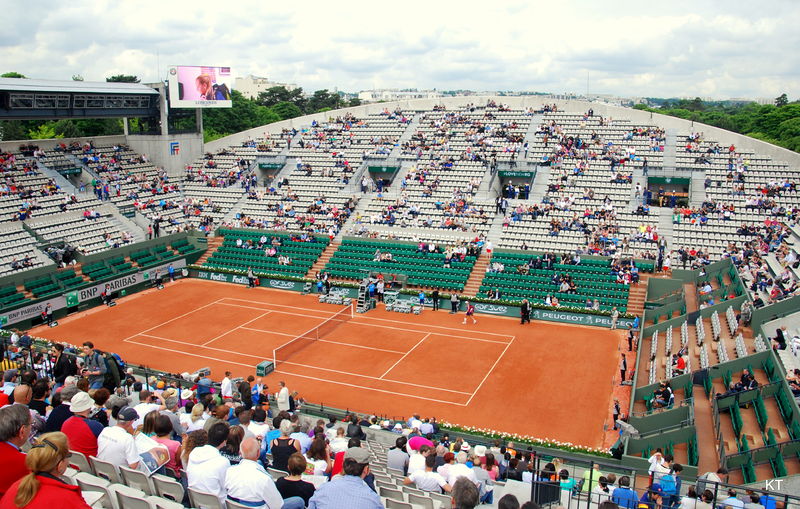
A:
x: 197, y: 418
x: 44, y: 486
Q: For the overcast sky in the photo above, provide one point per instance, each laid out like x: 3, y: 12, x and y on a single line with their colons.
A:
x: 655, y: 49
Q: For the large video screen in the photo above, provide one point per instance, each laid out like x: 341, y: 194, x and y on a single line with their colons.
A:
x: 192, y: 86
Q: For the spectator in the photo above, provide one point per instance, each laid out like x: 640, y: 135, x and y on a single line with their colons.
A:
x: 81, y: 431
x: 93, y: 366
x: 99, y: 412
x: 163, y: 430
x: 318, y: 458
x: 427, y: 479
x: 171, y: 411
x: 61, y: 411
x: 465, y: 494
x: 47, y: 462
x: 624, y: 496
x: 284, y: 446
x: 460, y: 469
x: 63, y: 366
x: 348, y: 491
x: 116, y: 444
x: 397, y: 457
x: 293, y: 484
x: 207, y: 468
x: 15, y: 421
x: 247, y: 483
x: 282, y: 397
x: 232, y: 445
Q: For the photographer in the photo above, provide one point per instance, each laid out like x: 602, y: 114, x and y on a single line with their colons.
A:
x: 94, y: 367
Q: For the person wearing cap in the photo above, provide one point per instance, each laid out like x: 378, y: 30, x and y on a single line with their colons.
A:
x: 651, y: 499
x: 81, y: 431
x: 207, y: 468
x: 116, y: 444
x: 15, y: 422
x: 249, y: 484
x: 348, y: 491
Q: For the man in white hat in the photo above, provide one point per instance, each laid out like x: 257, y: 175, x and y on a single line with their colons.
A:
x: 81, y: 431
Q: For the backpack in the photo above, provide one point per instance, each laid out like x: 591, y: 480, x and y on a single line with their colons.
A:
x: 114, y: 370
x: 669, y: 484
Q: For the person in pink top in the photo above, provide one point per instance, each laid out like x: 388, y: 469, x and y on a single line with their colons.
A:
x: 163, y: 429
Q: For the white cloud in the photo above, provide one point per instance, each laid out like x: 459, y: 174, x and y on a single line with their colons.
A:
x: 683, y: 48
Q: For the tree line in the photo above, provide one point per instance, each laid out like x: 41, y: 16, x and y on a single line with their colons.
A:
x: 777, y: 123
x: 272, y: 105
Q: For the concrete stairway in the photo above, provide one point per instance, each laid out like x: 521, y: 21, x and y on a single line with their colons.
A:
x: 476, y: 276
x: 670, y: 151
x: 213, y: 244
x: 326, y: 255
x: 60, y: 180
x: 496, y: 230
x: 697, y: 191
x: 411, y: 128
x: 665, y: 227
x: 636, y: 295
x: 530, y: 135
x: 539, y: 187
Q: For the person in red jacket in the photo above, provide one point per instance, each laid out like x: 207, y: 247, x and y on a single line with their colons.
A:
x: 81, y: 431
x: 15, y: 428
x: 44, y: 487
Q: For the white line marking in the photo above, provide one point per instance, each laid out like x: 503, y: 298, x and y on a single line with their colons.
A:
x: 370, y: 388
x: 172, y: 320
x: 349, y: 373
x: 405, y: 355
x: 192, y: 354
x: 199, y: 346
x: 236, y: 328
x: 490, y: 370
x: 405, y: 329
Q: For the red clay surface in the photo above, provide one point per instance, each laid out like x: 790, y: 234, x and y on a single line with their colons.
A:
x: 544, y: 379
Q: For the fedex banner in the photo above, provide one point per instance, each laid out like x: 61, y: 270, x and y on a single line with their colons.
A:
x: 200, y: 86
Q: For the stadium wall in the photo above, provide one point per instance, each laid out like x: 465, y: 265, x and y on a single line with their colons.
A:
x: 724, y: 137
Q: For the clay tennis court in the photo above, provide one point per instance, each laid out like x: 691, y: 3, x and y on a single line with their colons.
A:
x: 544, y: 379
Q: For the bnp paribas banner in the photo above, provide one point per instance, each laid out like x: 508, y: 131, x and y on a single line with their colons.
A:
x: 74, y: 298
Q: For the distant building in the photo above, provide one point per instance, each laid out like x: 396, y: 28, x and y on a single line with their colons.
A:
x: 389, y: 94
x: 250, y: 86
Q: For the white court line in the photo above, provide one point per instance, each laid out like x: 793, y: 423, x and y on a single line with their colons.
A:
x: 361, y: 316
x: 228, y: 350
x: 350, y: 373
x: 372, y: 388
x: 192, y: 354
x: 171, y: 320
x: 405, y: 329
x: 490, y: 370
x: 405, y: 355
x: 236, y: 328
x: 325, y: 341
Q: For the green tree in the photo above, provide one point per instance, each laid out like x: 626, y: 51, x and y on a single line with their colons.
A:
x: 12, y: 74
x: 66, y: 128
x: 355, y: 101
x: 244, y: 114
x: 45, y: 131
x: 322, y: 100
x: 123, y: 78
x: 77, y: 77
x: 275, y: 95
x: 781, y: 100
x: 287, y: 110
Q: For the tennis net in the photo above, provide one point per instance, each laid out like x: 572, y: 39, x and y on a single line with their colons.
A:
x: 284, y: 352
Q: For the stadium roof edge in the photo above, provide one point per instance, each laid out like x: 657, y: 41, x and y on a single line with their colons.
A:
x: 84, y: 87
